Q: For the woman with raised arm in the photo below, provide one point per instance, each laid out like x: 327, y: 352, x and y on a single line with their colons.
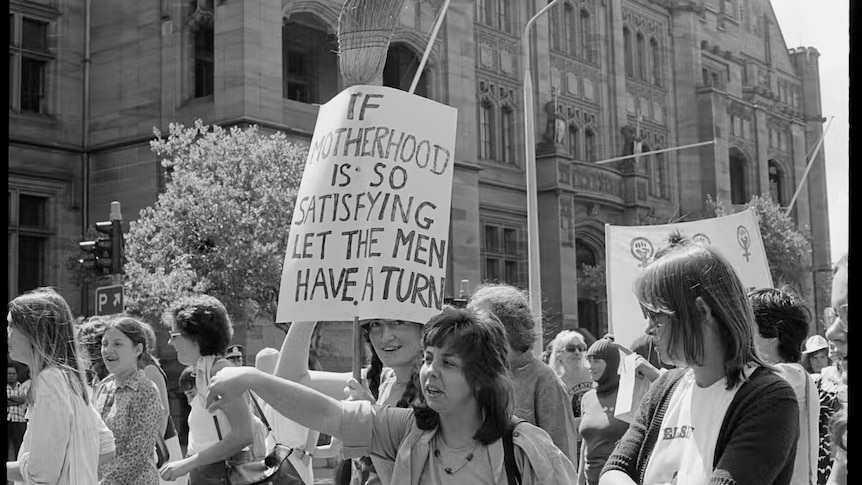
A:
x: 66, y: 440
x: 390, y: 380
x: 458, y: 431
x: 723, y: 416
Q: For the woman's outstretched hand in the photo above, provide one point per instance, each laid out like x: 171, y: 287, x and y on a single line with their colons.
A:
x: 229, y: 383
x: 356, y: 391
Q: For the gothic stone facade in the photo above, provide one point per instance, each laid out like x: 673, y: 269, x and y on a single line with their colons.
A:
x: 87, y: 88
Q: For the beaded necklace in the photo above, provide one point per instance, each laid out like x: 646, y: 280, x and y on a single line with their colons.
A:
x: 448, y: 469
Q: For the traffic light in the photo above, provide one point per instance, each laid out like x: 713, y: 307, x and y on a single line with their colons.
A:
x: 105, y: 253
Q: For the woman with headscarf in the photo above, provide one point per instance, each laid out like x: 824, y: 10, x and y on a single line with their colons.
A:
x: 599, y: 429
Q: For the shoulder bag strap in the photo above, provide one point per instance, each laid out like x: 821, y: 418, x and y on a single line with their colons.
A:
x: 218, y: 429
x: 512, y: 472
x: 260, y: 411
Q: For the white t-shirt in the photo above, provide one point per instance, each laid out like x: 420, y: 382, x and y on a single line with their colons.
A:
x: 685, y: 449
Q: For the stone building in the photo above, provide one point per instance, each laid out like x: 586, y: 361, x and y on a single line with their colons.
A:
x: 90, y: 80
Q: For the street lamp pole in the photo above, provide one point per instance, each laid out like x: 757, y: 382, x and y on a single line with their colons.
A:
x: 532, y: 202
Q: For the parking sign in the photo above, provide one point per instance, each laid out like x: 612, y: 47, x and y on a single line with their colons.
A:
x: 109, y: 299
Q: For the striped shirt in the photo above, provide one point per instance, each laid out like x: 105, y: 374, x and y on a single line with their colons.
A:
x: 16, y: 414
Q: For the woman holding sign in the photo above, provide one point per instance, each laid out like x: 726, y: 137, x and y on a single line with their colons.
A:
x: 390, y: 380
x: 458, y: 432
x: 723, y: 416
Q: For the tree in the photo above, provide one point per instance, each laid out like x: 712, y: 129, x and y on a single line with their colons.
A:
x: 787, y: 248
x: 221, y: 226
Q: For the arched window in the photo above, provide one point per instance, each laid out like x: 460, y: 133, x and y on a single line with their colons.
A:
x: 571, y: 30
x: 507, y: 134
x: 586, y: 36
x: 204, y: 48
x: 309, y: 60
x: 656, y: 62
x: 642, y: 57
x: 574, y: 142
x: 775, y: 187
x: 590, y: 145
x: 554, y: 24
x: 486, y: 130
x: 627, y: 49
x: 737, y: 177
x: 661, y: 176
x: 400, y: 67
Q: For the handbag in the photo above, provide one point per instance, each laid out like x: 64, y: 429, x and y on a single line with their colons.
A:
x: 274, y: 469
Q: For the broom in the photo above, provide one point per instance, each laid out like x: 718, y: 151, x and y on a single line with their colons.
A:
x: 364, y: 30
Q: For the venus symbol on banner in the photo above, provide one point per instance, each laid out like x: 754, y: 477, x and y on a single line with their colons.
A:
x: 629, y: 249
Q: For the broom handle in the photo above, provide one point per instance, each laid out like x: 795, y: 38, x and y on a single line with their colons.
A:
x: 428, y: 48
x: 357, y: 350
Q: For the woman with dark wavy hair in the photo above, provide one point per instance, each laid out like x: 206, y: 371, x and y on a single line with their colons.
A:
x: 453, y: 435
x: 723, y: 416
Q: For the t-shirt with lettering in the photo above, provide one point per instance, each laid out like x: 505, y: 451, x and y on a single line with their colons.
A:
x: 685, y: 450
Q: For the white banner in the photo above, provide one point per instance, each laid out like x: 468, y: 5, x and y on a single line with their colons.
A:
x: 631, y: 248
x: 370, y: 229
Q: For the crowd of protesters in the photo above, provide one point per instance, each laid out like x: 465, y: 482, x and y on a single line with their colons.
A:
x: 740, y: 391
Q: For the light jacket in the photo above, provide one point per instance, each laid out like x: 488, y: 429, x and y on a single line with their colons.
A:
x: 364, y: 426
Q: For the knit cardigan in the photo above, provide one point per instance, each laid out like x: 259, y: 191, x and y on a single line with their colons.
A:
x: 756, y: 444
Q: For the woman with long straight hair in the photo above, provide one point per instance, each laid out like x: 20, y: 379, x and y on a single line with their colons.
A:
x: 723, y: 416
x: 66, y: 440
x: 454, y: 434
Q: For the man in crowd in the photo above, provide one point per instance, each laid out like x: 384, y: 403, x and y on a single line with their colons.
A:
x: 16, y: 409
x: 236, y: 354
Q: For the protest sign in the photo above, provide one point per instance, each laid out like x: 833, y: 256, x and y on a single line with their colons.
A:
x: 631, y: 248
x: 631, y: 390
x: 370, y: 229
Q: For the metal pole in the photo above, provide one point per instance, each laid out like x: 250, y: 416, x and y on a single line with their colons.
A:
x: 808, y: 167
x: 532, y: 202
x: 428, y: 47
x: 653, y: 152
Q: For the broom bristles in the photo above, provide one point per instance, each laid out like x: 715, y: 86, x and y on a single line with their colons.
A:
x: 364, y: 30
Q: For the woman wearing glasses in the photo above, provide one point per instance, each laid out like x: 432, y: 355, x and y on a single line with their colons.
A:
x: 568, y: 362
x: 723, y: 416
x: 201, y: 332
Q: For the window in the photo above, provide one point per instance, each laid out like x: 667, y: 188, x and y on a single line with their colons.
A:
x: 28, y: 233
x: 659, y: 175
x: 507, y: 134
x: 400, y: 68
x: 586, y: 36
x: 554, y: 25
x: 29, y: 58
x: 775, y: 188
x: 310, y: 60
x: 716, y: 80
x: 656, y: 62
x: 571, y: 30
x: 503, y: 15
x: 627, y: 48
x: 642, y: 57
x: 486, y: 131
x: 737, y: 178
x: 482, y: 11
x: 503, y: 252
x: 204, y: 48
x: 704, y: 73
x: 574, y: 142
x: 590, y: 146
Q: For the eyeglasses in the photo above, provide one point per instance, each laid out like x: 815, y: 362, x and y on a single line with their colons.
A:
x: 575, y: 348
x: 830, y: 314
x: 656, y: 320
x: 174, y: 335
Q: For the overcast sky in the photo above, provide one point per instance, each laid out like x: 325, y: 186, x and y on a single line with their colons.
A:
x: 827, y: 27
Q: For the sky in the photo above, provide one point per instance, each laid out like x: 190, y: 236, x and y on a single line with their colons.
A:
x: 827, y: 27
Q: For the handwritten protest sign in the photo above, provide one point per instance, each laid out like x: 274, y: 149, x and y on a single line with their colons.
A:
x: 370, y: 229
x: 631, y: 248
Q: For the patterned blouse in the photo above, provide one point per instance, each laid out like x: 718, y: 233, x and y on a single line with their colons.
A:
x: 133, y: 412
